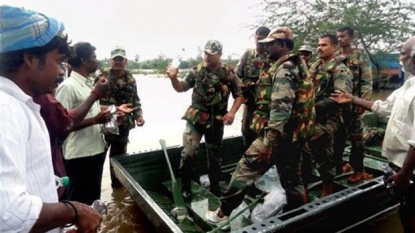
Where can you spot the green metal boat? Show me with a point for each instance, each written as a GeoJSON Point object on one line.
{"type": "Point", "coordinates": [147, 178]}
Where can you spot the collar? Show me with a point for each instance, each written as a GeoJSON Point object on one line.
{"type": "Point", "coordinates": [12, 89]}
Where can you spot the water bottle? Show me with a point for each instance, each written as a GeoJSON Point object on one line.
{"type": "Point", "coordinates": [175, 63]}
{"type": "Point", "coordinates": [61, 181]}
{"type": "Point", "coordinates": [100, 206]}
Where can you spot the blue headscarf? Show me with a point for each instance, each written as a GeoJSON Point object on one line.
{"type": "Point", "coordinates": [21, 29]}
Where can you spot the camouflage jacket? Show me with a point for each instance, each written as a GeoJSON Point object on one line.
{"type": "Point", "coordinates": [291, 118]}
{"type": "Point", "coordinates": [211, 92]}
{"type": "Point", "coordinates": [360, 66]}
{"type": "Point", "coordinates": [327, 79]}
{"type": "Point", "coordinates": [248, 67]}
{"type": "Point", "coordinates": [123, 90]}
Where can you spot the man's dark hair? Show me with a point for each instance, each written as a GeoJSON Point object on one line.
{"type": "Point", "coordinates": [332, 38]}
{"type": "Point", "coordinates": [262, 31]}
{"type": "Point", "coordinates": [349, 30]}
{"type": "Point", "coordinates": [10, 62]}
{"type": "Point", "coordinates": [79, 51]}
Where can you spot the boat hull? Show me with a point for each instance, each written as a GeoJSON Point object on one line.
{"type": "Point", "coordinates": [145, 176]}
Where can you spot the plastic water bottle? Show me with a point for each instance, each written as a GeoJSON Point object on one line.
{"type": "Point", "coordinates": [175, 63]}
{"type": "Point", "coordinates": [100, 206]}
{"type": "Point", "coordinates": [61, 181]}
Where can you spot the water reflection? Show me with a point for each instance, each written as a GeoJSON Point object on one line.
{"type": "Point", "coordinates": [124, 215]}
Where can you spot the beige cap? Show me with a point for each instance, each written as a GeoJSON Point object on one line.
{"type": "Point", "coordinates": [278, 33]}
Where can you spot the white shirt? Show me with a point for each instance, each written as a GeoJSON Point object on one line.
{"type": "Point", "coordinates": [400, 131]}
{"type": "Point", "coordinates": [26, 172]}
{"type": "Point", "coordinates": [88, 141]}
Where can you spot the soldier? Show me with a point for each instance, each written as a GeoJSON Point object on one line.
{"type": "Point", "coordinates": [328, 74]}
{"type": "Point", "coordinates": [290, 107]}
{"type": "Point", "coordinates": [122, 90]}
{"type": "Point", "coordinates": [306, 53]}
{"type": "Point", "coordinates": [248, 70]}
{"type": "Point", "coordinates": [359, 64]}
{"type": "Point", "coordinates": [212, 82]}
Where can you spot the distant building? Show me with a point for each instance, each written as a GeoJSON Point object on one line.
{"type": "Point", "coordinates": [391, 75]}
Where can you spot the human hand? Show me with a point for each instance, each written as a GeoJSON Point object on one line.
{"type": "Point", "coordinates": [399, 181]}
{"type": "Point", "coordinates": [140, 121]}
{"type": "Point", "coordinates": [103, 117]}
{"type": "Point", "coordinates": [126, 108]}
{"type": "Point", "coordinates": [341, 97]}
{"type": "Point", "coordinates": [101, 87]}
{"type": "Point", "coordinates": [89, 219]}
{"type": "Point", "coordinates": [228, 118]}
{"type": "Point", "coordinates": [172, 71]}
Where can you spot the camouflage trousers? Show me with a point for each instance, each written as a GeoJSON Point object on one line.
{"type": "Point", "coordinates": [191, 140]}
{"type": "Point", "coordinates": [320, 149]}
{"type": "Point", "coordinates": [250, 168]}
{"type": "Point", "coordinates": [248, 134]}
{"type": "Point", "coordinates": [353, 130]}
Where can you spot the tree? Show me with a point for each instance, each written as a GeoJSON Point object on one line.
{"type": "Point", "coordinates": [381, 26]}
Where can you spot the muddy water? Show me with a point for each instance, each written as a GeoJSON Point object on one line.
{"type": "Point", "coordinates": [163, 108]}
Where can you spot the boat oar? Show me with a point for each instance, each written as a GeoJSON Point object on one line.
{"type": "Point", "coordinates": [180, 210]}
{"type": "Point", "coordinates": [254, 202]}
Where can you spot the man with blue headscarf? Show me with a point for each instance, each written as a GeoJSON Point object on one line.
{"type": "Point", "coordinates": [32, 49]}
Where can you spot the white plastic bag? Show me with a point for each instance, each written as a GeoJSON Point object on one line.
{"type": "Point", "coordinates": [238, 223]}
{"type": "Point", "coordinates": [274, 201]}
{"type": "Point", "coordinates": [111, 127]}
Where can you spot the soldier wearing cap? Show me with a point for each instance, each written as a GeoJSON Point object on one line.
{"type": "Point", "coordinates": [33, 47]}
{"type": "Point", "coordinates": [248, 69]}
{"type": "Point", "coordinates": [290, 107]}
{"type": "Point", "coordinates": [329, 74]}
{"type": "Point", "coordinates": [122, 90]}
{"type": "Point", "coordinates": [212, 82]}
{"type": "Point", "coordinates": [306, 53]}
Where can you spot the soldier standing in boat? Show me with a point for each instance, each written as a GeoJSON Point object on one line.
{"type": "Point", "coordinates": [359, 64]}
{"type": "Point", "coordinates": [248, 69]}
{"type": "Point", "coordinates": [288, 103]}
{"type": "Point", "coordinates": [212, 82]}
{"type": "Point", "coordinates": [329, 74]}
{"type": "Point", "coordinates": [122, 90]}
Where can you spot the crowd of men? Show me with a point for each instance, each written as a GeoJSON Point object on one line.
{"type": "Point", "coordinates": [296, 112]}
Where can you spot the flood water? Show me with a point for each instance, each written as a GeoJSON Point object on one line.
{"type": "Point", "coordinates": [162, 109]}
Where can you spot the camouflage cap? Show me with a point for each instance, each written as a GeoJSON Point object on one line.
{"type": "Point", "coordinates": [306, 48]}
{"type": "Point", "coordinates": [213, 47]}
{"type": "Point", "coordinates": [279, 33]}
{"type": "Point", "coordinates": [118, 51]}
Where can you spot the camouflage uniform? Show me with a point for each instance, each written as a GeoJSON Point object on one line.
{"type": "Point", "coordinates": [286, 97]}
{"type": "Point", "coordinates": [329, 115]}
{"type": "Point", "coordinates": [359, 64]}
{"type": "Point", "coordinates": [122, 90]}
{"type": "Point", "coordinates": [248, 70]}
{"type": "Point", "coordinates": [210, 96]}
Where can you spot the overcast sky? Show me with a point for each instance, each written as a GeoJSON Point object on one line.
{"type": "Point", "coordinates": [152, 27]}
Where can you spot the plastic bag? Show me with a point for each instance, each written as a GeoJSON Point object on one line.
{"type": "Point", "coordinates": [204, 180]}
{"type": "Point", "coordinates": [274, 201]}
{"type": "Point", "coordinates": [111, 127]}
{"type": "Point", "coordinates": [238, 222]}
